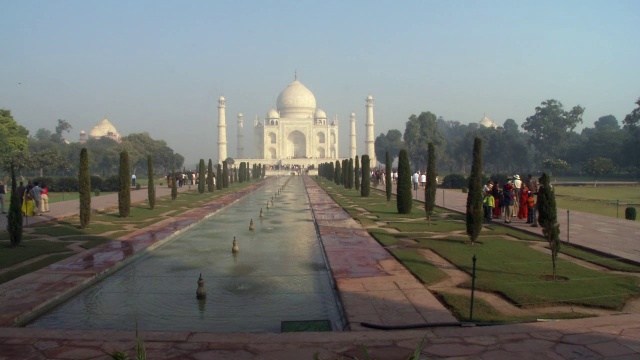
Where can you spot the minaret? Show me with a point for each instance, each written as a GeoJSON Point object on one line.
{"type": "Point", "coordinates": [222, 130]}
{"type": "Point", "coordinates": [370, 137]}
{"type": "Point", "coordinates": [240, 145]}
{"type": "Point", "coordinates": [353, 150]}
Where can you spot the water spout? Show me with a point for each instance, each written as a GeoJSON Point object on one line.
{"type": "Point", "coordinates": [201, 293]}
{"type": "Point", "coordinates": [235, 248]}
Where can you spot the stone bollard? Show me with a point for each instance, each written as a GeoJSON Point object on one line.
{"type": "Point", "coordinates": [235, 248]}
{"type": "Point", "coordinates": [261, 214]}
{"type": "Point", "coordinates": [201, 293]}
{"type": "Point", "coordinates": [251, 225]}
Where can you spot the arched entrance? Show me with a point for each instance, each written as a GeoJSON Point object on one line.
{"type": "Point", "coordinates": [296, 145]}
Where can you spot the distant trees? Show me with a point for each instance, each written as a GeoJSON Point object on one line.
{"type": "Point", "coordinates": [124, 194]}
{"type": "Point", "coordinates": [474, 196]}
{"type": "Point", "coordinates": [84, 182]}
{"type": "Point", "coordinates": [598, 166]}
{"type": "Point", "coordinates": [365, 186]}
{"type": "Point", "coordinates": [391, 142]}
{"type": "Point", "coordinates": [430, 189]}
{"type": "Point", "coordinates": [404, 197]}
{"type": "Point", "coordinates": [421, 130]}
{"type": "Point", "coordinates": [550, 126]}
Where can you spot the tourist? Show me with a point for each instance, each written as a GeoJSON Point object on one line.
{"type": "Point", "coordinates": [133, 180]}
{"type": "Point", "coordinates": [497, 201]}
{"type": "Point", "coordinates": [523, 210]}
{"type": "Point", "coordinates": [488, 204]}
{"type": "Point", "coordinates": [508, 194]}
{"type": "Point", "coordinates": [45, 199]}
{"type": "Point", "coordinates": [531, 205]}
{"type": "Point", "coordinates": [423, 180]}
{"type": "Point", "coordinates": [36, 192]}
{"type": "Point", "coordinates": [416, 180]}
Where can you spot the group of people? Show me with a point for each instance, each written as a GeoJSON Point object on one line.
{"type": "Point", "coordinates": [514, 199]}
{"type": "Point", "coordinates": [34, 198]}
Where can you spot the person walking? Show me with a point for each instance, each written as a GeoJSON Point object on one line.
{"type": "Point", "coordinates": [133, 180]}
{"type": "Point", "coordinates": [2, 192]}
{"type": "Point", "coordinates": [36, 192]}
{"type": "Point", "coordinates": [44, 199]}
{"type": "Point", "coordinates": [416, 180]}
{"type": "Point", "coordinates": [508, 194]}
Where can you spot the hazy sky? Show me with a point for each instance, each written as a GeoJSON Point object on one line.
{"type": "Point", "coordinates": [160, 66]}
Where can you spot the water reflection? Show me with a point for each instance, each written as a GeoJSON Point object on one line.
{"type": "Point", "coordinates": [279, 274]}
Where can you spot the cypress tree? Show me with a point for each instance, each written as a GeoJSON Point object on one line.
{"type": "Point", "coordinates": [124, 195]}
{"type": "Point", "coordinates": [210, 176]}
{"type": "Point", "coordinates": [225, 174]}
{"type": "Point", "coordinates": [345, 173]}
{"type": "Point", "coordinates": [84, 184]}
{"type": "Point", "coordinates": [356, 171]}
{"type": "Point", "coordinates": [14, 221]}
{"type": "Point", "coordinates": [219, 177]}
{"type": "Point", "coordinates": [201, 177]}
{"type": "Point", "coordinates": [151, 188]}
{"type": "Point", "coordinates": [242, 171]}
{"type": "Point", "coordinates": [365, 187]}
{"type": "Point", "coordinates": [548, 218]}
{"type": "Point", "coordinates": [174, 184]}
{"type": "Point", "coordinates": [474, 196]}
{"type": "Point", "coordinates": [338, 174]}
{"type": "Point", "coordinates": [430, 189]}
{"type": "Point", "coordinates": [351, 173]}
{"type": "Point", "coordinates": [404, 197]}
{"type": "Point", "coordinates": [387, 175]}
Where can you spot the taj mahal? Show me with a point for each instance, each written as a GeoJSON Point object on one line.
{"type": "Point", "coordinates": [296, 132]}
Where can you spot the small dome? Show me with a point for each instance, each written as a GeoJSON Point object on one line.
{"type": "Point", "coordinates": [240, 115]}
{"type": "Point", "coordinates": [353, 114]}
{"type": "Point", "coordinates": [82, 132]}
{"type": "Point", "coordinates": [369, 97]}
{"type": "Point", "coordinates": [486, 122]}
{"type": "Point", "coordinates": [273, 114]}
{"type": "Point", "coordinates": [105, 128]}
{"type": "Point", "coordinates": [296, 101]}
{"type": "Point", "coordinates": [320, 114]}
{"type": "Point", "coordinates": [221, 98]}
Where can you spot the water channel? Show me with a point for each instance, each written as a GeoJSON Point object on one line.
{"type": "Point", "coordinates": [279, 274]}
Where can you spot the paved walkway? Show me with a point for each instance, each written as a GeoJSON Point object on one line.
{"type": "Point", "coordinates": [371, 285]}
{"type": "Point", "coordinates": [617, 237]}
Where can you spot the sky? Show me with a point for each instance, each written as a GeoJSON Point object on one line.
{"type": "Point", "coordinates": [160, 66]}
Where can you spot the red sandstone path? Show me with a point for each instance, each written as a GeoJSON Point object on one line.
{"type": "Point", "coordinates": [372, 287]}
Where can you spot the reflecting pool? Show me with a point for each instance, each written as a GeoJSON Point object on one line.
{"type": "Point", "coordinates": [279, 274]}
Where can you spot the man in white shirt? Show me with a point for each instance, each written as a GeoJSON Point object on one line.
{"type": "Point", "coordinates": [416, 180]}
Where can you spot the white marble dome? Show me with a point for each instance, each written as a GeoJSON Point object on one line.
{"type": "Point", "coordinates": [273, 114]}
{"type": "Point", "coordinates": [320, 114]}
{"type": "Point", "coordinates": [104, 128]}
{"type": "Point", "coordinates": [296, 101]}
{"type": "Point", "coordinates": [486, 122]}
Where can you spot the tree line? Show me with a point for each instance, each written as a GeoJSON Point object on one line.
{"type": "Point", "coordinates": [48, 153]}
{"type": "Point", "coordinates": [545, 141]}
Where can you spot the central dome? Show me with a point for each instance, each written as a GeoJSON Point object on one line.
{"type": "Point", "coordinates": [296, 101]}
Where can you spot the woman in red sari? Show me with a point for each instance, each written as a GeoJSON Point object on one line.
{"type": "Point", "coordinates": [523, 211]}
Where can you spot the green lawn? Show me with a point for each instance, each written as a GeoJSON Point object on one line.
{"type": "Point", "coordinates": [506, 264]}
{"type": "Point", "coordinates": [600, 200]}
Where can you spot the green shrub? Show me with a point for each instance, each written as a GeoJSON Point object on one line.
{"type": "Point", "coordinates": [96, 192]}
{"type": "Point", "coordinates": [365, 186]}
{"type": "Point", "coordinates": [96, 181]}
{"type": "Point", "coordinates": [112, 183]}
{"type": "Point", "coordinates": [66, 184]}
{"type": "Point", "coordinates": [124, 193]}
{"type": "Point", "coordinates": [630, 213]}
{"type": "Point", "coordinates": [465, 190]}
{"type": "Point", "coordinates": [138, 186]}
{"type": "Point", "coordinates": [454, 181]}
{"type": "Point", "coordinates": [84, 181]}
